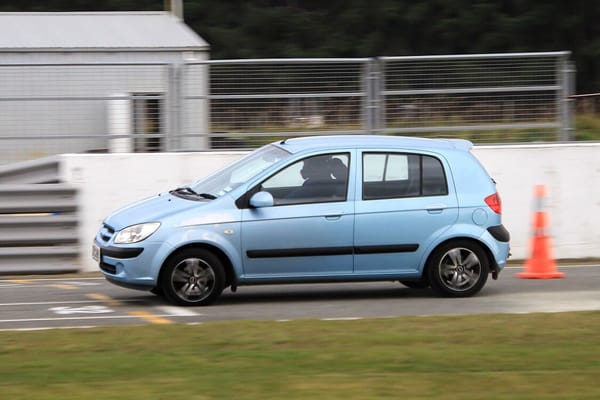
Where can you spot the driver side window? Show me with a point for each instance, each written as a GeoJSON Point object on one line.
{"type": "Point", "coordinates": [316, 179]}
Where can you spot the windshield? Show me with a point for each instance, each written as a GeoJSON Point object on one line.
{"type": "Point", "coordinates": [232, 176]}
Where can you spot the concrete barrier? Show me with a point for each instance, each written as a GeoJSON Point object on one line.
{"type": "Point", "coordinates": [571, 173]}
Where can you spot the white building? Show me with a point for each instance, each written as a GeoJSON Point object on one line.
{"type": "Point", "coordinates": [95, 82]}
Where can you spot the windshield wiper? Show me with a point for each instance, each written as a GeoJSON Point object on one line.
{"type": "Point", "coordinates": [188, 190]}
{"type": "Point", "coordinates": [185, 190]}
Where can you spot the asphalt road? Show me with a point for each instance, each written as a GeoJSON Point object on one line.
{"type": "Point", "coordinates": [30, 303]}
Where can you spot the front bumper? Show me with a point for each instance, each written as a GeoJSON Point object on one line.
{"type": "Point", "coordinates": [131, 267]}
{"type": "Point", "coordinates": [121, 252]}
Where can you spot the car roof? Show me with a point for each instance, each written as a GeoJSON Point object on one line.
{"type": "Point", "coordinates": [296, 145]}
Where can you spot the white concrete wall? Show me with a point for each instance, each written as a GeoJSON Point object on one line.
{"type": "Point", "coordinates": [107, 182]}
{"type": "Point", "coordinates": [571, 173]}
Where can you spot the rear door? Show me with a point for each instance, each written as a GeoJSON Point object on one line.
{"type": "Point", "coordinates": [403, 202]}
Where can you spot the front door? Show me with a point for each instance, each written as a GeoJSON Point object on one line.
{"type": "Point", "coordinates": [308, 232]}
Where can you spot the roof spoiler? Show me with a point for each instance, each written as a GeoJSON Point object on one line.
{"type": "Point", "coordinates": [461, 144]}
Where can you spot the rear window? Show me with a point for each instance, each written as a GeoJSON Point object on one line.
{"type": "Point", "coordinates": [397, 175]}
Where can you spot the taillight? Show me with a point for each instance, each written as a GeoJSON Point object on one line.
{"type": "Point", "coordinates": [493, 201]}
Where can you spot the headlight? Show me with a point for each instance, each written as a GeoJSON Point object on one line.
{"type": "Point", "coordinates": [136, 233]}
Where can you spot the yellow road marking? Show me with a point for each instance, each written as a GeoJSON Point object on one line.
{"type": "Point", "coordinates": [21, 281]}
{"type": "Point", "coordinates": [66, 287]}
{"type": "Point", "coordinates": [151, 317]}
{"type": "Point", "coordinates": [109, 301]}
{"type": "Point", "coordinates": [104, 298]}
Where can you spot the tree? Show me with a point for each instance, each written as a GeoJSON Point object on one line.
{"type": "Point", "coordinates": [363, 28]}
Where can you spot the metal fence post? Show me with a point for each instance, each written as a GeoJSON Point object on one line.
{"type": "Point", "coordinates": [366, 100]}
{"type": "Point", "coordinates": [172, 134]}
{"type": "Point", "coordinates": [570, 101]}
{"type": "Point", "coordinates": [379, 81]}
{"type": "Point", "coordinates": [372, 100]}
{"type": "Point", "coordinates": [566, 78]}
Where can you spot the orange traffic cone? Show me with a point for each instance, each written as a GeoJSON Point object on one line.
{"type": "Point", "coordinates": [541, 264]}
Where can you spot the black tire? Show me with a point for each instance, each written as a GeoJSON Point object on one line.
{"type": "Point", "coordinates": [193, 277]}
{"type": "Point", "coordinates": [458, 268]}
{"type": "Point", "coordinates": [157, 290]}
{"type": "Point", "coordinates": [417, 284]}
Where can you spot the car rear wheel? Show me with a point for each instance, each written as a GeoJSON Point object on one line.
{"type": "Point", "coordinates": [458, 269]}
{"type": "Point", "coordinates": [193, 277]}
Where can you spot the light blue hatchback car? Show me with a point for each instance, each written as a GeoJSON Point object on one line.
{"type": "Point", "coordinates": [423, 212]}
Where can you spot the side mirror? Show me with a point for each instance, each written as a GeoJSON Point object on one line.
{"type": "Point", "coordinates": [262, 199]}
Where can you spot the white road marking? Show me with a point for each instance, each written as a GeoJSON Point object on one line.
{"type": "Point", "coordinates": [38, 303]}
{"type": "Point", "coordinates": [81, 310]}
{"type": "Point", "coordinates": [77, 283]}
{"type": "Point", "coordinates": [78, 318]}
{"type": "Point", "coordinates": [39, 285]}
{"type": "Point", "coordinates": [559, 266]}
{"type": "Point", "coordinates": [68, 318]}
{"type": "Point", "coordinates": [342, 319]}
{"type": "Point", "coordinates": [542, 302]}
{"type": "Point", "coordinates": [57, 279]}
{"type": "Point", "coordinates": [178, 311]}
{"type": "Point", "coordinates": [47, 328]}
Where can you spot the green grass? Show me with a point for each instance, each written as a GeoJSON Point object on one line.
{"type": "Point", "coordinates": [541, 356]}
{"type": "Point", "coordinates": [587, 127]}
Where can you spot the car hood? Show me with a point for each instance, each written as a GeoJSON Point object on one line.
{"type": "Point", "coordinates": [153, 209]}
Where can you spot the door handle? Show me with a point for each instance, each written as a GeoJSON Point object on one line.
{"type": "Point", "coordinates": [436, 208]}
{"type": "Point", "coordinates": [333, 215]}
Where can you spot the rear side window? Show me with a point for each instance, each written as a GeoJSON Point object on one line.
{"type": "Point", "coordinates": [434, 178]}
{"type": "Point", "coordinates": [396, 175]}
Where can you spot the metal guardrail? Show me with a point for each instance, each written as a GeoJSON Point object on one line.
{"type": "Point", "coordinates": [44, 170]}
{"type": "Point", "coordinates": [38, 228]}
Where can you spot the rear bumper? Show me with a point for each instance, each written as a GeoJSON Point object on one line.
{"type": "Point", "coordinates": [500, 233]}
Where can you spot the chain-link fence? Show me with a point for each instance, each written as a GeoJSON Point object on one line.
{"type": "Point", "coordinates": [485, 98]}
{"type": "Point", "coordinates": [258, 101]}
{"type": "Point", "coordinates": [48, 109]}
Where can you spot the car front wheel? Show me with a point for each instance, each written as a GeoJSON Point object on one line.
{"type": "Point", "coordinates": [193, 277]}
{"type": "Point", "coordinates": [458, 269]}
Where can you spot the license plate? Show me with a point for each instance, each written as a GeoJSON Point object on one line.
{"type": "Point", "coordinates": [96, 252]}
